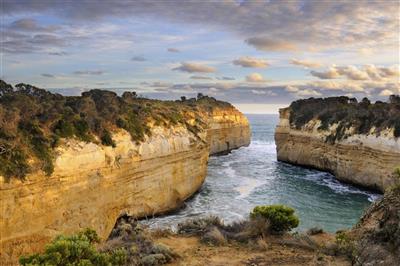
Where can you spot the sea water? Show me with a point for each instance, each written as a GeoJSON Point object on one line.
{"type": "Point", "coordinates": [252, 176]}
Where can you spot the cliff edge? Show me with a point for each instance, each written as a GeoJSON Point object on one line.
{"type": "Point", "coordinates": [357, 142]}
{"type": "Point", "coordinates": [69, 163]}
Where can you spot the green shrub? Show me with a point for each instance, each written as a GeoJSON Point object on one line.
{"type": "Point", "coordinates": [76, 250]}
{"type": "Point", "coordinates": [107, 140]}
{"type": "Point", "coordinates": [281, 217]}
{"type": "Point", "coordinates": [13, 162]}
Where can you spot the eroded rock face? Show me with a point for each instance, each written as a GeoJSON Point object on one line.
{"type": "Point", "coordinates": [378, 232]}
{"type": "Point", "coordinates": [93, 185]}
{"type": "Point", "coordinates": [364, 160]}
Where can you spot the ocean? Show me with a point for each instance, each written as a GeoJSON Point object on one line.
{"type": "Point", "coordinates": [252, 176]}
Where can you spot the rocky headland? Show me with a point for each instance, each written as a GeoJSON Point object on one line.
{"type": "Point", "coordinates": [358, 142]}
{"type": "Point", "coordinates": [68, 163]}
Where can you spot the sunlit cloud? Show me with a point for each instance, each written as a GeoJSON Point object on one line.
{"type": "Point", "coordinates": [255, 77]}
{"type": "Point", "coordinates": [305, 63]}
{"type": "Point", "coordinates": [195, 68]}
{"type": "Point", "coordinates": [247, 61]}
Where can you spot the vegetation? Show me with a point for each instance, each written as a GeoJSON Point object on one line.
{"type": "Point", "coordinates": [281, 217]}
{"type": "Point", "coordinates": [76, 250]}
{"type": "Point", "coordinates": [264, 221]}
{"type": "Point", "coordinates": [347, 113]}
{"type": "Point", "coordinates": [345, 245]}
{"type": "Point", "coordinates": [33, 121]}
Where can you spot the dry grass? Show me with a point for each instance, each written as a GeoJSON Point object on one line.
{"type": "Point", "coordinates": [214, 237]}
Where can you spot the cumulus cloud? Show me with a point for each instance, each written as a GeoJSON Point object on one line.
{"type": "Point", "coordinates": [346, 86]}
{"type": "Point", "coordinates": [291, 88]}
{"type": "Point", "coordinates": [247, 61]}
{"type": "Point", "coordinates": [368, 72]}
{"type": "Point", "coordinates": [138, 59]}
{"type": "Point", "coordinates": [267, 44]}
{"type": "Point", "coordinates": [305, 63]}
{"type": "Point", "coordinates": [329, 74]}
{"type": "Point", "coordinates": [386, 93]}
{"type": "Point", "coordinates": [263, 92]}
{"type": "Point", "coordinates": [308, 93]}
{"type": "Point", "coordinates": [200, 77]}
{"type": "Point", "coordinates": [89, 72]}
{"type": "Point", "coordinates": [173, 50]}
{"type": "Point", "coordinates": [255, 77]}
{"type": "Point", "coordinates": [195, 67]}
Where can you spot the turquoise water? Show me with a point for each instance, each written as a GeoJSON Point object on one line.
{"type": "Point", "coordinates": [252, 176]}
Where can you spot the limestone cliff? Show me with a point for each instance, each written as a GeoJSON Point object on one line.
{"type": "Point", "coordinates": [365, 159]}
{"type": "Point", "coordinates": [93, 184]}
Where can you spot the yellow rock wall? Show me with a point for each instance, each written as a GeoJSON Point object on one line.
{"type": "Point", "coordinates": [93, 185]}
{"type": "Point", "coordinates": [364, 160]}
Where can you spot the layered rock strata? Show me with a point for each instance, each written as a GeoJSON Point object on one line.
{"type": "Point", "coordinates": [367, 160]}
{"type": "Point", "coordinates": [92, 185]}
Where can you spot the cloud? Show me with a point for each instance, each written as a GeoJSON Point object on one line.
{"type": "Point", "coordinates": [160, 84]}
{"type": "Point", "coordinates": [329, 74]}
{"type": "Point", "coordinates": [47, 75]}
{"type": "Point", "coordinates": [173, 50]}
{"type": "Point", "coordinates": [266, 25]}
{"type": "Point", "coordinates": [308, 93]}
{"type": "Point", "coordinates": [291, 88]}
{"type": "Point", "coordinates": [368, 72]}
{"type": "Point", "coordinates": [263, 92]}
{"type": "Point", "coordinates": [138, 59]}
{"type": "Point", "coordinates": [386, 93]}
{"type": "Point", "coordinates": [346, 86]}
{"type": "Point", "coordinates": [62, 53]}
{"type": "Point", "coordinates": [255, 77]}
{"type": "Point", "coordinates": [305, 63]}
{"type": "Point", "coordinates": [30, 25]}
{"type": "Point", "coordinates": [226, 78]}
{"type": "Point", "coordinates": [267, 44]}
{"type": "Point", "coordinates": [247, 61]}
{"type": "Point", "coordinates": [195, 68]}
{"type": "Point", "coordinates": [89, 72]}
{"type": "Point", "coordinates": [200, 77]}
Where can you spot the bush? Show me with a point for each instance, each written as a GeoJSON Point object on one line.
{"type": "Point", "coordinates": [281, 217]}
{"type": "Point", "coordinates": [107, 140]}
{"type": "Point", "coordinates": [76, 249]}
{"type": "Point", "coordinates": [345, 245]}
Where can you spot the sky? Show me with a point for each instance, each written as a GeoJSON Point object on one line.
{"type": "Point", "coordinates": [258, 55]}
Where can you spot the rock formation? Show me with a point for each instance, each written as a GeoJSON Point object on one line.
{"type": "Point", "coordinates": [357, 142]}
{"type": "Point", "coordinates": [93, 184]}
{"type": "Point", "coordinates": [378, 232]}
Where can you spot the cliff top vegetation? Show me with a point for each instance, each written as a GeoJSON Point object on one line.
{"type": "Point", "coordinates": [347, 113]}
{"type": "Point", "coordinates": [34, 120]}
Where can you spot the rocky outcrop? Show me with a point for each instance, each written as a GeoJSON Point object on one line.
{"type": "Point", "coordinates": [227, 131]}
{"type": "Point", "coordinates": [378, 232]}
{"type": "Point", "coordinates": [366, 160]}
{"type": "Point", "coordinates": [92, 185]}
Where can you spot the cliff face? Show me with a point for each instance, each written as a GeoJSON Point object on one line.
{"type": "Point", "coordinates": [378, 233]}
{"type": "Point", "coordinates": [228, 130]}
{"type": "Point", "coordinates": [367, 160]}
{"type": "Point", "coordinates": [92, 185]}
